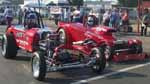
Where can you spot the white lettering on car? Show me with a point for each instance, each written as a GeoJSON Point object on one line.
{"type": "Point", "coordinates": [21, 42]}
{"type": "Point", "coordinates": [19, 34]}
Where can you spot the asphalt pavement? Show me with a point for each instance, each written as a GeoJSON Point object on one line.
{"type": "Point", "coordinates": [18, 71]}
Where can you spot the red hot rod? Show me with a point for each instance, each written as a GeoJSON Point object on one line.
{"type": "Point", "coordinates": [116, 49]}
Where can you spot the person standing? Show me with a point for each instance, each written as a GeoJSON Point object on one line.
{"type": "Point", "coordinates": [106, 18]}
{"type": "Point", "coordinates": [113, 18]}
{"type": "Point", "coordinates": [8, 13]}
{"type": "Point", "coordinates": [145, 22]}
{"type": "Point", "coordinates": [76, 16]}
{"type": "Point", "coordinates": [125, 20]}
{"type": "Point", "coordinates": [20, 15]}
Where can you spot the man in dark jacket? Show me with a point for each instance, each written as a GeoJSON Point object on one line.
{"type": "Point", "coordinates": [146, 22]}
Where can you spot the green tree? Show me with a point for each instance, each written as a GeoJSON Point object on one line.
{"type": "Point", "coordinates": [76, 2]}
{"type": "Point", "coordinates": [128, 3]}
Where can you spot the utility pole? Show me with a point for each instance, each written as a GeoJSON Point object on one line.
{"type": "Point", "coordinates": [39, 2]}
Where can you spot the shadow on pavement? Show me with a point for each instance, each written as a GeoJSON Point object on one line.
{"type": "Point", "coordinates": [72, 75]}
{"type": "Point", "coordinates": [22, 58]}
{"type": "Point", "coordinates": [132, 62]}
{"type": "Point", "coordinates": [126, 75]}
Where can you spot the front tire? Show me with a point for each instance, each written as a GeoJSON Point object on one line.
{"type": "Point", "coordinates": [62, 36]}
{"type": "Point", "coordinates": [9, 46]}
{"type": "Point", "coordinates": [38, 64]}
{"type": "Point", "coordinates": [100, 62]}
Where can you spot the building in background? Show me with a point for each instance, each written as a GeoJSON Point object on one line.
{"type": "Point", "coordinates": [103, 4]}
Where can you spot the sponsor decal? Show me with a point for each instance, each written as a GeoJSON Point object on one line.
{"type": "Point", "coordinates": [19, 34]}
{"type": "Point", "coordinates": [21, 42]}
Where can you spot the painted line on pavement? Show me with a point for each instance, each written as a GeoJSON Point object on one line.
{"type": "Point", "coordinates": [110, 74]}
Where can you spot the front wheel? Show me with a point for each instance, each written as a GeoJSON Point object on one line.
{"type": "Point", "coordinates": [38, 66]}
{"type": "Point", "coordinates": [100, 62]}
{"type": "Point", "coordinates": [62, 36]}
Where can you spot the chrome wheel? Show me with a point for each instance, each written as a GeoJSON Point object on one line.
{"type": "Point", "coordinates": [96, 54]}
{"type": "Point", "coordinates": [107, 52]}
{"type": "Point", "coordinates": [38, 65]}
{"type": "Point", "coordinates": [100, 61]}
{"type": "Point", "coordinates": [62, 36]}
{"type": "Point", "coordinates": [35, 65]}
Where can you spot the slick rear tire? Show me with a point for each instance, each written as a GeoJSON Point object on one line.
{"type": "Point", "coordinates": [62, 36]}
{"type": "Point", "coordinates": [38, 64]}
{"type": "Point", "coordinates": [9, 46]}
{"type": "Point", "coordinates": [100, 62]}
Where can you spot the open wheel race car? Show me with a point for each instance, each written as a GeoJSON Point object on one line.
{"type": "Point", "coordinates": [116, 50]}
{"type": "Point", "coordinates": [49, 49]}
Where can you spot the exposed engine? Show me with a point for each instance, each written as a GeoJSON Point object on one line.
{"type": "Point", "coordinates": [48, 43]}
{"type": "Point", "coordinates": [123, 45]}
{"type": "Point", "coordinates": [120, 44]}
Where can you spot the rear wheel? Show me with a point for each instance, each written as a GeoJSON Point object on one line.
{"type": "Point", "coordinates": [9, 46]}
{"type": "Point", "coordinates": [38, 66]}
{"type": "Point", "coordinates": [100, 62]}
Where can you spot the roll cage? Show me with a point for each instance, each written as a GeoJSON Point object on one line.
{"type": "Point", "coordinates": [39, 19]}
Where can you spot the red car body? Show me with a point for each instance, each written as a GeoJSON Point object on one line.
{"type": "Point", "coordinates": [77, 32]}
{"type": "Point", "coordinates": [27, 38]}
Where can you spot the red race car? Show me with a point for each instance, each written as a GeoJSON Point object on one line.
{"type": "Point", "coordinates": [24, 36]}
{"type": "Point", "coordinates": [50, 51]}
{"type": "Point", "coordinates": [116, 50]}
